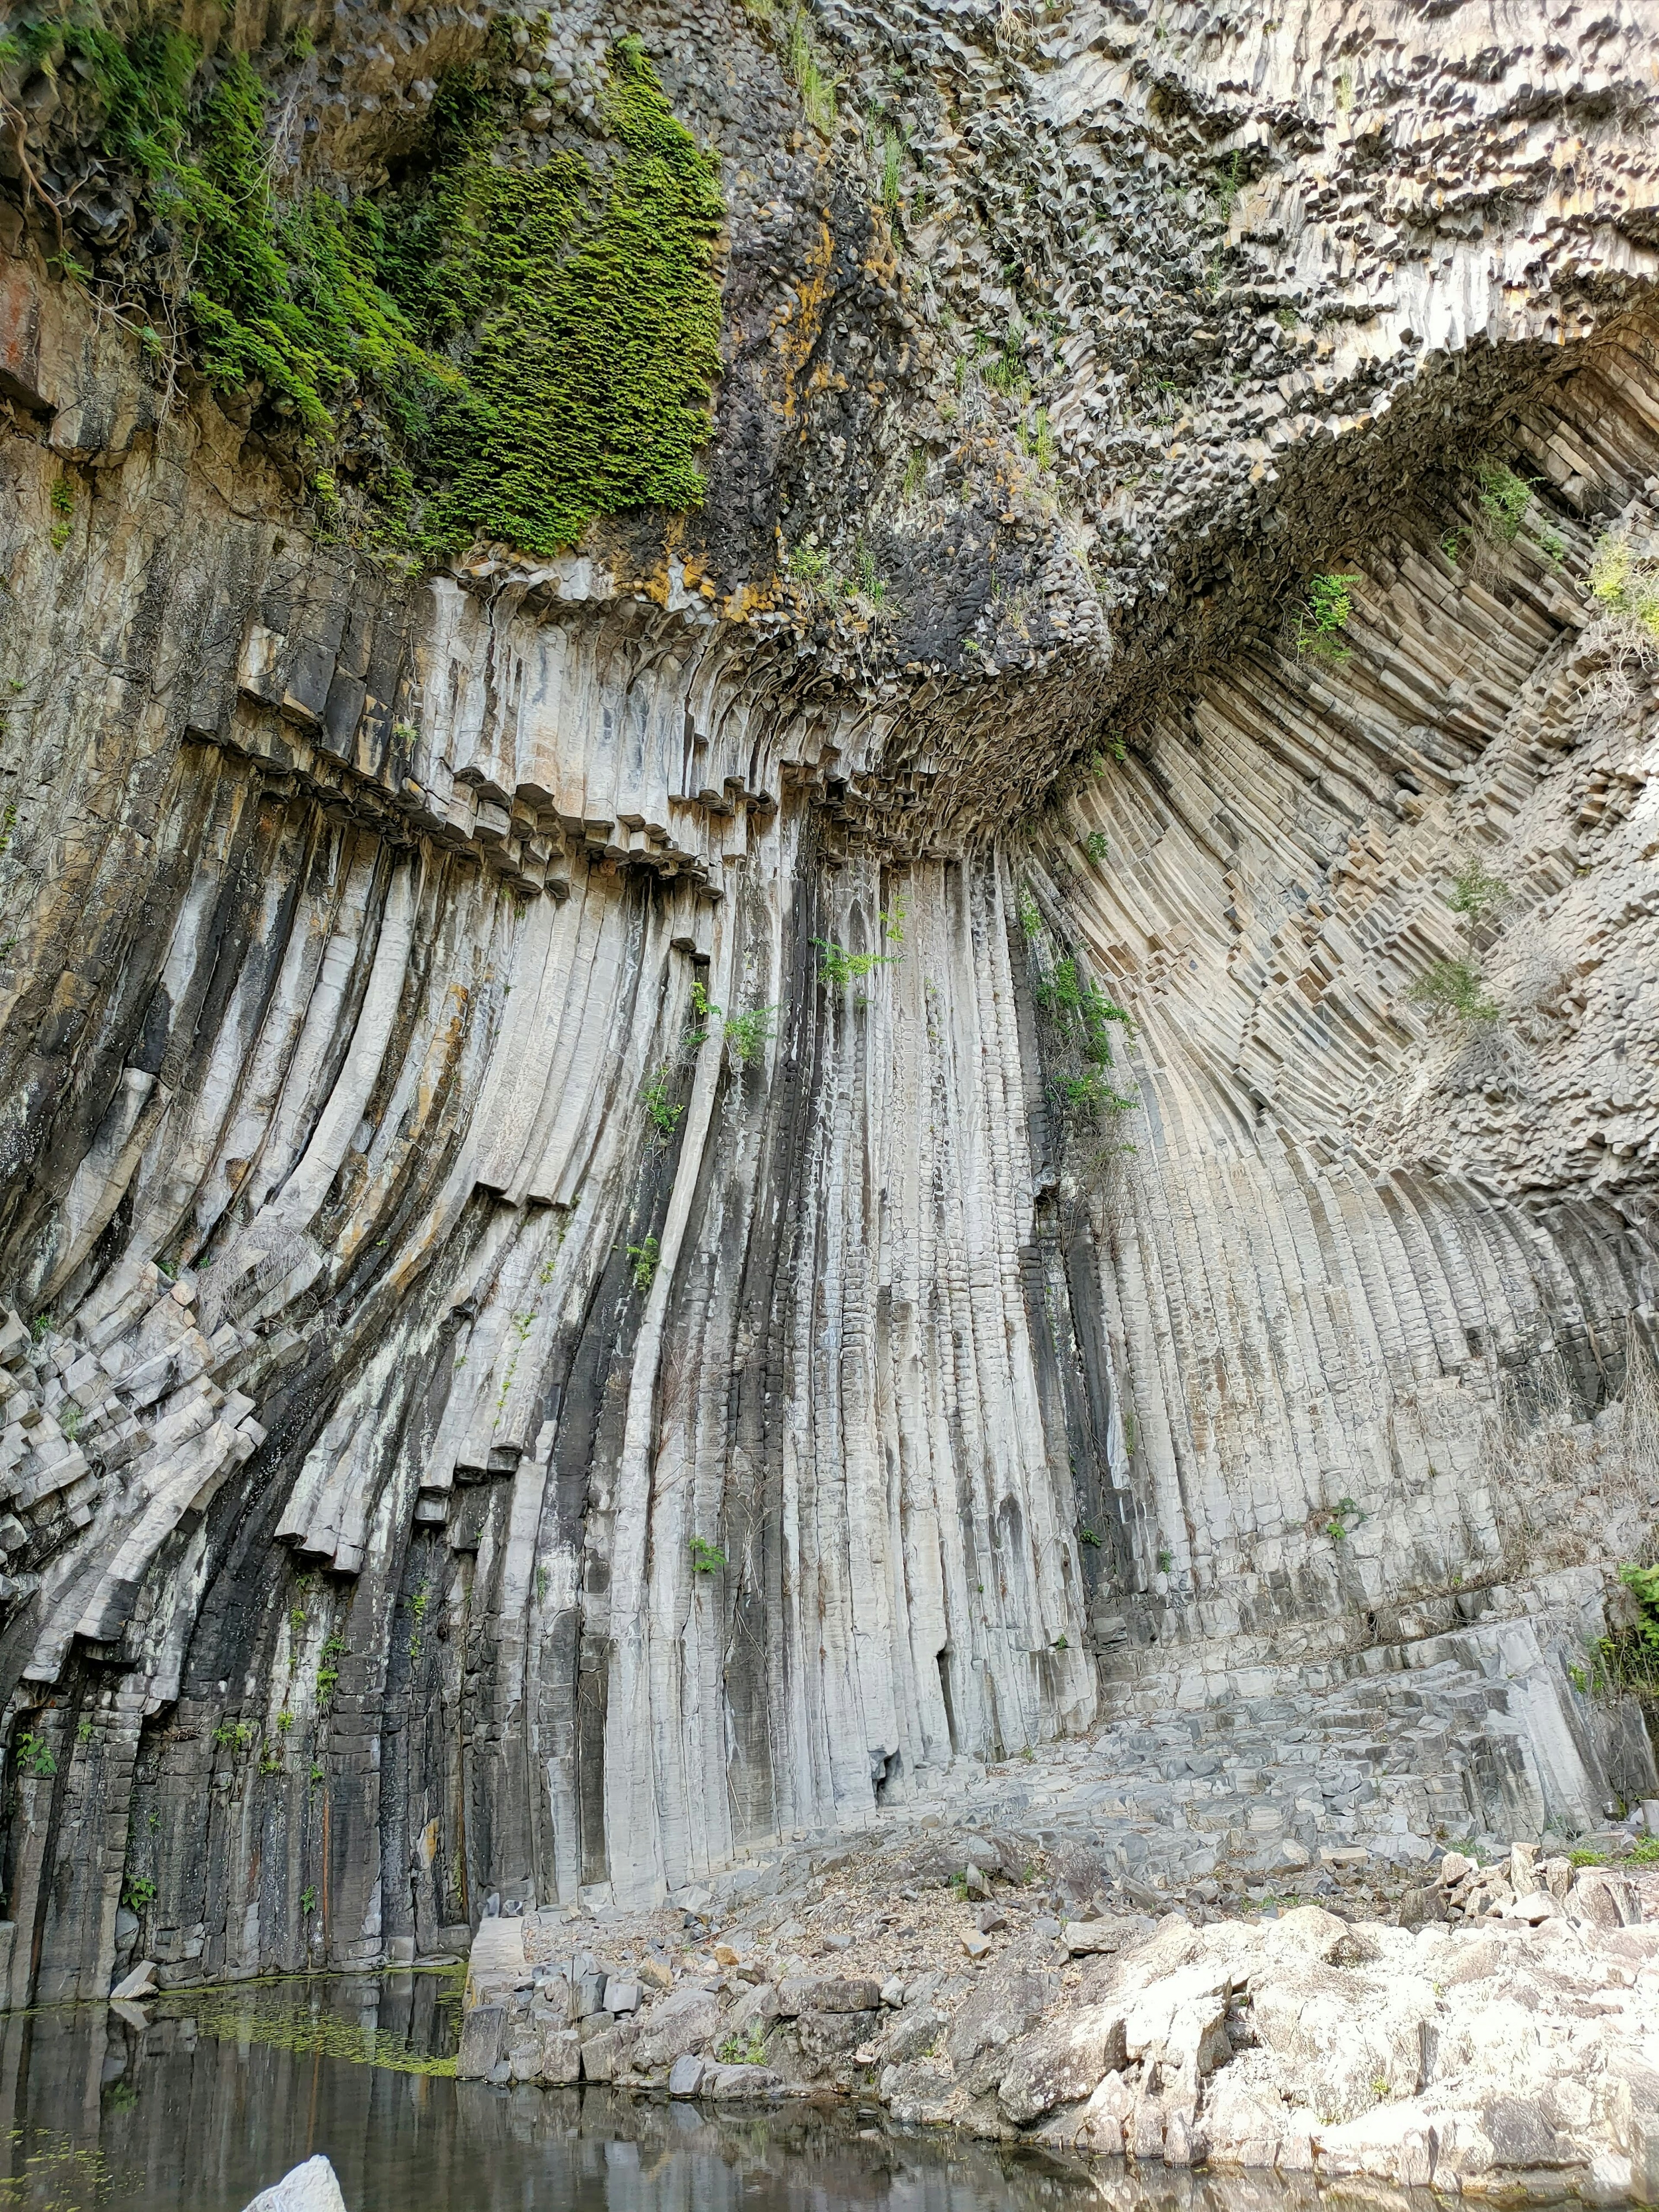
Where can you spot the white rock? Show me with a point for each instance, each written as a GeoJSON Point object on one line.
{"type": "Point", "coordinates": [311, 2187]}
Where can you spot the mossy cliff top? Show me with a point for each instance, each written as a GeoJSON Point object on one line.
{"type": "Point", "coordinates": [473, 350]}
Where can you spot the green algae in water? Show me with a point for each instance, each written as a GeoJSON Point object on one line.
{"type": "Point", "coordinates": [53, 2172]}
{"type": "Point", "coordinates": [292, 2016]}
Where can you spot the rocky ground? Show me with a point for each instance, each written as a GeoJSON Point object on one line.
{"type": "Point", "coordinates": [1485, 2021]}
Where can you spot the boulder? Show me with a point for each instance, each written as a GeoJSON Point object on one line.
{"type": "Point", "coordinates": [482, 2032]}
{"type": "Point", "coordinates": [922, 2096]}
{"type": "Point", "coordinates": [826, 2035]}
{"type": "Point", "coordinates": [912, 2035]}
{"type": "Point", "coordinates": [140, 1982]}
{"type": "Point", "coordinates": [678, 2025]}
{"type": "Point", "coordinates": [732, 2084]}
{"type": "Point", "coordinates": [561, 2055]}
{"type": "Point", "coordinates": [311, 2187]}
{"type": "Point", "coordinates": [1062, 2061]}
{"type": "Point", "coordinates": [1397, 2142]}
{"type": "Point", "coordinates": [1100, 2126]}
{"type": "Point", "coordinates": [685, 2076]}
{"type": "Point", "coordinates": [496, 1961]}
{"type": "Point", "coordinates": [1181, 2021]}
{"type": "Point", "coordinates": [1109, 1933]}
{"type": "Point", "coordinates": [1604, 1900]}
{"type": "Point", "coordinates": [1011, 1999]}
{"type": "Point", "coordinates": [1337, 2033]}
{"type": "Point", "coordinates": [822, 1993]}
{"type": "Point", "coordinates": [1243, 2118]}
{"type": "Point", "coordinates": [1421, 1905]}
{"type": "Point", "coordinates": [599, 2055]}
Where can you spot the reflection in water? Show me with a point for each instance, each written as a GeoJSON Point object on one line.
{"type": "Point", "coordinates": [223, 2091]}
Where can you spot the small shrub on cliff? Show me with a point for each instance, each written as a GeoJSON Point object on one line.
{"type": "Point", "coordinates": [660, 1110]}
{"type": "Point", "coordinates": [1456, 988]}
{"type": "Point", "coordinates": [838, 967]}
{"type": "Point", "coordinates": [1324, 617]}
{"type": "Point", "coordinates": [1626, 585]}
{"type": "Point", "coordinates": [707, 1558]}
{"type": "Point", "coordinates": [63, 507]}
{"type": "Point", "coordinates": [1504, 499]}
{"type": "Point", "coordinates": [745, 1034]}
{"type": "Point", "coordinates": [643, 1258]}
{"type": "Point", "coordinates": [1477, 893]}
{"type": "Point", "coordinates": [34, 1756]}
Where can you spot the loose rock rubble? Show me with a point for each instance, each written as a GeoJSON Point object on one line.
{"type": "Point", "coordinates": [1493, 2034]}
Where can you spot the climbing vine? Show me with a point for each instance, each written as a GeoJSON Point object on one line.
{"type": "Point", "coordinates": [481, 351]}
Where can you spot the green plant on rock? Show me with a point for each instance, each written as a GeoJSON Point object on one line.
{"type": "Point", "coordinates": [1324, 617]}
{"type": "Point", "coordinates": [838, 967]}
{"type": "Point", "coordinates": [808, 564]}
{"type": "Point", "coordinates": [872, 584]}
{"type": "Point", "coordinates": [138, 1893]}
{"type": "Point", "coordinates": [235, 1736]}
{"type": "Point", "coordinates": [309, 1900]}
{"type": "Point", "coordinates": [707, 1558]}
{"type": "Point", "coordinates": [747, 1035]}
{"type": "Point", "coordinates": [1643, 1583]}
{"type": "Point", "coordinates": [815, 81]}
{"type": "Point", "coordinates": [1097, 847]}
{"type": "Point", "coordinates": [1229, 185]}
{"type": "Point", "coordinates": [1503, 500]}
{"type": "Point", "coordinates": [34, 1756]}
{"type": "Point", "coordinates": [335, 1648]}
{"type": "Point", "coordinates": [892, 170]}
{"type": "Point", "coordinates": [1477, 893]}
{"type": "Point", "coordinates": [1083, 1014]}
{"type": "Point", "coordinates": [1646, 1852]}
{"type": "Point", "coordinates": [63, 508]}
{"type": "Point", "coordinates": [1090, 1092]}
{"type": "Point", "coordinates": [1457, 989]}
{"type": "Point", "coordinates": [1626, 584]}
{"type": "Point", "coordinates": [744, 2051]}
{"type": "Point", "coordinates": [662, 1113]}
{"type": "Point", "coordinates": [643, 1258]}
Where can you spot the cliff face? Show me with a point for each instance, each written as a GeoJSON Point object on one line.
{"type": "Point", "coordinates": [654, 1190]}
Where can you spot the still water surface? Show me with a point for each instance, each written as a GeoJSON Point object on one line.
{"type": "Point", "coordinates": [221, 2093]}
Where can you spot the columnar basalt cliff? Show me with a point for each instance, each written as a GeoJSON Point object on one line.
{"type": "Point", "coordinates": [670, 1173]}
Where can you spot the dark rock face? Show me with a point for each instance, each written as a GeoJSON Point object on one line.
{"type": "Point", "coordinates": [598, 1274]}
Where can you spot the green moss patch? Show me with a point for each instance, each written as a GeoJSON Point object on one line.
{"type": "Point", "coordinates": [480, 352]}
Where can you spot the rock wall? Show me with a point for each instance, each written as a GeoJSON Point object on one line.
{"type": "Point", "coordinates": [577, 1307]}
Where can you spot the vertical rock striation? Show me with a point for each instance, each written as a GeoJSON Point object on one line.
{"type": "Point", "coordinates": [654, 1192]}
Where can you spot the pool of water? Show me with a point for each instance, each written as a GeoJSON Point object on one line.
{"type": "Point", "coordinates": [220, 2093]}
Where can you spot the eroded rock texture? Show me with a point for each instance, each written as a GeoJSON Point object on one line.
{"type": "Point", "coordinates": [479, 1422]}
